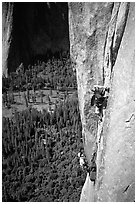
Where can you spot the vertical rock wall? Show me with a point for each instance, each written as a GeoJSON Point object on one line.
{"type": "Point", "coordinates": [88, 26]}
{"type": "Point", "coordinates": [116, 177]}
{"type": "Point", "coordinates": [102, 47]}
{"type": "Point", "coordinates": [7, 20]}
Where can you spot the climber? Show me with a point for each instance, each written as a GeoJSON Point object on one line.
{"type": "Point", "coordinates": [92, 169]}
{"type": "Point", "coordinates": [82, 160]}
{"type": "Point", "coordinates": [92, 172]}
{"type": "Point", "coordinates": [99, 99]}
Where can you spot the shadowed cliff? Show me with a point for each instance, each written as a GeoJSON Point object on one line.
{"type": "Point", "coordinates": [37, 32]}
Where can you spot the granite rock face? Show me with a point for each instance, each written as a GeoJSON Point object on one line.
{"type": "Point", "coordinates": [7, 24]}
{"type": "Point", "coordinates": [102, 47]}
{"type": "Point", "coordinates": [37, 31]}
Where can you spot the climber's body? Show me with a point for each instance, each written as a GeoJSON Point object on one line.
{"type": "Point", "coordinates": [91, 169]}
{"type": "Point", "coordinates": [99, 99]}
{"type": "Point", "coordinates": [81, 159]}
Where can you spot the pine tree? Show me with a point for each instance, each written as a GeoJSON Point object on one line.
{"type": "Point", "coordinates": [26, 101]}
{"type": "Point", "coordinates": [41, 96]}
{"type": "Point", "coordinates": [28, 94]}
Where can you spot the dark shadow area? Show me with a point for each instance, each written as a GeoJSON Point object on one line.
{"type": "Point", "coordinates": [40, 31]}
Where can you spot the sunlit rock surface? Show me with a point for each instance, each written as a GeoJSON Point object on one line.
{"type": "Point", "coordinates": [7, 24]}
{"type": "Point", "coordinates": [117, 181]}
{"type": "Point", "coordinates": [102, 47]}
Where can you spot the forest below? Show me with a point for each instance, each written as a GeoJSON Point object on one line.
{"type": "Point", "coordinates": [40, 148]}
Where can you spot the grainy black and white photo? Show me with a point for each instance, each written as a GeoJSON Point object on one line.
{"type": "Point", "coordinates": [68, 101]}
